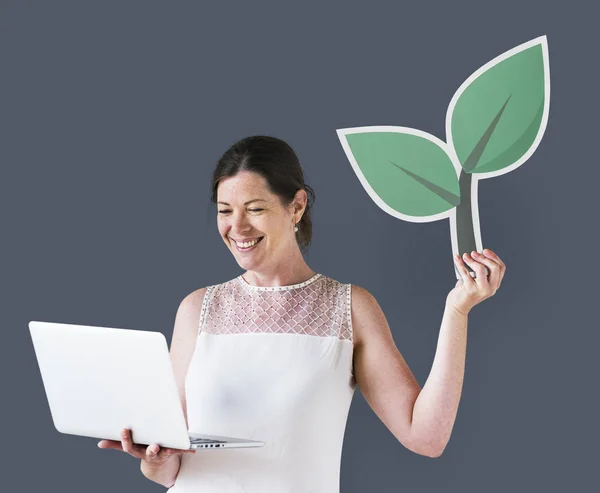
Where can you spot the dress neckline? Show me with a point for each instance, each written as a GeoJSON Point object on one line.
{"type": "Point", "coordinates": [278, 288]}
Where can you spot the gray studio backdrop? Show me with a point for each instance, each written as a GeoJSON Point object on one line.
{"type": "Point", "coordinates": [112, 117]}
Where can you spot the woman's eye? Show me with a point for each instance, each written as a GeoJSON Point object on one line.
{"type": "Point", "coordinates": [226, 211]}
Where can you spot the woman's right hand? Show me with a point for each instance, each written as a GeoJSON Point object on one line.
{"type": "Point", "coordinates": [153, 453]}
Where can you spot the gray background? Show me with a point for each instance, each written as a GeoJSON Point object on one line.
{"type": "Point", "coordinates": [112, 118]}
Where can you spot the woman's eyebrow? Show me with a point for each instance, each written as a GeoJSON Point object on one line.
{"type": "Point", "coordinates": [245, 203]}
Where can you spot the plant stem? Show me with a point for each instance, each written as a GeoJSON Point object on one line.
{"type": "Point", "coordinates": [465, 233]}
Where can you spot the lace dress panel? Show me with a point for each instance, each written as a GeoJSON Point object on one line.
{"type": "Point", "coordinates": [319, 307]}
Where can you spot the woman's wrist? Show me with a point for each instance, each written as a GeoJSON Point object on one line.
{"type": "Point", "coordinates": [457, 310]}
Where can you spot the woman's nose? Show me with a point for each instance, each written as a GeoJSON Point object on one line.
{"type": "Point", "coordinates": [239, 223]}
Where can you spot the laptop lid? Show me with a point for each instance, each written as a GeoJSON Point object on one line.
{"type": "Point", "coordinates": [99, 380]}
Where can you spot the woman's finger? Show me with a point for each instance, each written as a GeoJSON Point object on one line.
{"type": "Point", "coordinates": [494, 269]}
{"type": "Point", "coordinates": [462, 270]}
{"type": "Point", "coordinates": [154, 452]}
{"type": "Point", "coordinates": [112, 444]}
{"type": "Point", "coordinates": [488, 253]}
{"type": "Point", "coordinates": [187, 451]}
{"type": "Point", "coordinates": [138, 451]}
{"type": "Point", "coordinates": [481, 277]}
{"type": "Point", "coordinates": [492, 255]}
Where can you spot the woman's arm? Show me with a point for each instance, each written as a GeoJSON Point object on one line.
{"type": "Point", "coordinates": [436, 406]}
{"type": "Point", "coordinates": [421, 420]}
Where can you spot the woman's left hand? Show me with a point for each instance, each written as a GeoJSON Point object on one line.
{"type": "Point", "coordinates": [468, 291]}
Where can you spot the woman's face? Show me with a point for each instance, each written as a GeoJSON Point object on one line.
{"type": "Point", "coordinates": [249, 213]}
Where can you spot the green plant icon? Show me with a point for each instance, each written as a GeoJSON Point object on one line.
{"type": "Point", "coordinates": [494, 123]}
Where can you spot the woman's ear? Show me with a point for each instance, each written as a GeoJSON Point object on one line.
{"type": "Point", "coordinates": [299, 204]}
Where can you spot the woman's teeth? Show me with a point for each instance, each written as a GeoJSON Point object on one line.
{"type": "Point", "coordinates": [246, 245]}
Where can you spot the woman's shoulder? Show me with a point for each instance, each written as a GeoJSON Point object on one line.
{"type": "Point", "coordinates": [195, 298]}
{"type": "Point", "coordinates": [198, 295]}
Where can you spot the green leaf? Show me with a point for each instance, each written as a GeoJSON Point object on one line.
{"type": "Point", "coordinates": [405, 171]}
{"type": "Point", "coordinates": [498, 116]}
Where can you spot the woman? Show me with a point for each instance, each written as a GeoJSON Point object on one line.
{"type": "Point", "coordinates": [276, 353]}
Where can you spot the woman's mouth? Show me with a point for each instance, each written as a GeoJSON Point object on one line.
{"type": "Point", "coordinates": [247, 246]}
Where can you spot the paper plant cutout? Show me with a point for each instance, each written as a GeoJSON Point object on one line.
{"type": "Point", "coordinates": [494, 123]}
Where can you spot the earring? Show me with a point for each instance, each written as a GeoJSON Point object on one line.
{"type": "Point", "coordinates": [295, 229]}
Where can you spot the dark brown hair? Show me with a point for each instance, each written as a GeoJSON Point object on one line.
{"type": "Point", "coordinates": [277, 163]}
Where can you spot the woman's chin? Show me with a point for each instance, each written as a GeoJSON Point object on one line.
{"type": "Point", "coordinates": [246, 262]}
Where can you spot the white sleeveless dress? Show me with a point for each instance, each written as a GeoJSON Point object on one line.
{"type": "Point", "coordinates": [271, 364]}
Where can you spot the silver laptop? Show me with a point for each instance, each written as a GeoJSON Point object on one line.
{"type": "Point", "coordinates": [99, 380]}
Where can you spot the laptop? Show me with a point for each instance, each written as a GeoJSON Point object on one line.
{"type": "Point", "coordinates": [99, 380]}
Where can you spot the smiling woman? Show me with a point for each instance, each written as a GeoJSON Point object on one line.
{"type": "Point", "coordinates": [276, 353]}
{"type": "Point", "coordinates": [276, 162]}
{"type": "Point", "coordinates": [264, 209]}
